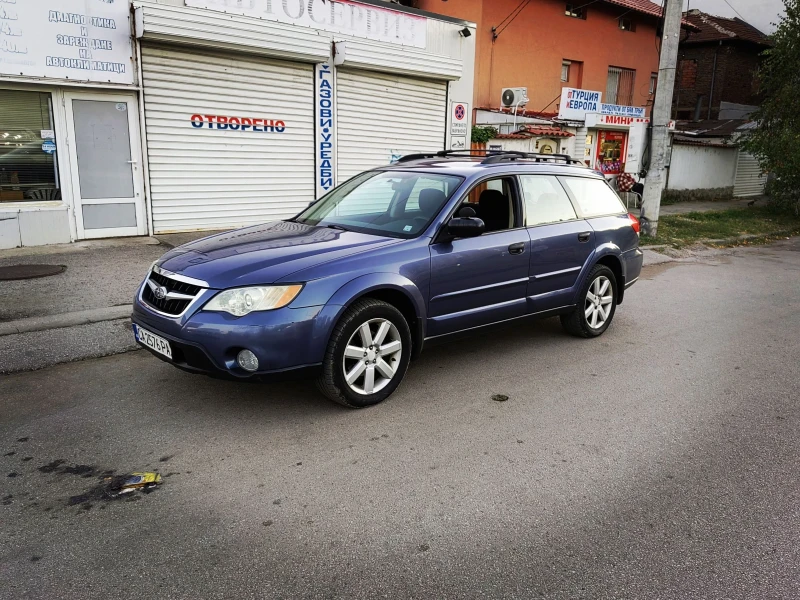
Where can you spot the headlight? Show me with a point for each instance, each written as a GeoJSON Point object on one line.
{"type": "Point", "coordinates": [242, 301]}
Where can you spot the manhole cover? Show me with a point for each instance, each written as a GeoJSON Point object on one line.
{"type": "Point", "coordinates": [30, 271]}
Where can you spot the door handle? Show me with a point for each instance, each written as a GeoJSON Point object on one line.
{"type": "Point", "coordinates": [584, 237]}
{"type": "Point", "coordinates": [517, 248]}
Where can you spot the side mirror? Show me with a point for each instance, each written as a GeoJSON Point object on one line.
{"type": "Point", "coordinates": [465, 227]}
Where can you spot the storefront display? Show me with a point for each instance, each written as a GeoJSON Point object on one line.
{"type": "Point", "coordinates": [28, 170]}
{"type": "Point", "coordinates": [611, 152]}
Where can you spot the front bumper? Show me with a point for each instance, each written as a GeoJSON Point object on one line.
{"type": "Point", "coordinates": [286, 341]}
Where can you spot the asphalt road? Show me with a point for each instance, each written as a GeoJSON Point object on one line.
{"type": "Point", "coordinates": [659, 461]}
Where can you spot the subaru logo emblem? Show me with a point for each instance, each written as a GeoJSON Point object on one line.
{"type": "Point", "coordinates": [160, 292]}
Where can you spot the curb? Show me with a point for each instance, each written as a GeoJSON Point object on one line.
{"type": "Point", "coordinates": [81, 317]}
{"type": "Point", "coordinates": [738, 238]}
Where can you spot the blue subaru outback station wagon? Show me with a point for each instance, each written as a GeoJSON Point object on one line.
{"type": "Point", "coordinates": [353, 287]}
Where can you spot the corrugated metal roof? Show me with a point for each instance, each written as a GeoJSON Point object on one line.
{"type": "Point", "coordinates": [710, 128]}
{"type": "Point", "coordinates": [712, 28]}
{"type": "Point", "coordinates": [521, 112]}
{"type": "Point", "coordinates": [683, 141]}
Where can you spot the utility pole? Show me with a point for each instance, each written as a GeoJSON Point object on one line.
{"type": "Point", "coordinates": [662, 112]}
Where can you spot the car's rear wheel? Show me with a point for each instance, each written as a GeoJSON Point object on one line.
{"type": "Point", "coordinates": [367, 355]}
{"type": "Point", "coordinates": [596, 306]}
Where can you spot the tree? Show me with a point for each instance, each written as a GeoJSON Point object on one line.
{"type": "Point", "coordinates": [776, 140]}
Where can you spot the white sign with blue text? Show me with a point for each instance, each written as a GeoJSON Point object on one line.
{"type": "Point", "coordinates": [80, 40]}
{"type": "Point", "coordinates": [324, 82]}
{"type": "Point", "coordinates": [637, 112]}
{"type": "Point", "coordinates": [576, 103]}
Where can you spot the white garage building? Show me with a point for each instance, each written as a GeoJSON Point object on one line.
{"type": "Point", "coordinates": [252, 108]}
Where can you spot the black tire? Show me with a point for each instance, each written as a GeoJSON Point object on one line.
{"type": "Point", "coordinates": [576, 323]}
{"type": "Point", "coordinates": [332, 381]}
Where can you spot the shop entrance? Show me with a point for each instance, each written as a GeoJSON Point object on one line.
{"type": "Point", "coordinates": [106, 165]}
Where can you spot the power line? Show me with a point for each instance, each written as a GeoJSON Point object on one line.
{"type": "Point", "coordinates": [736, 11]}
{"type": "Point", "coordinates": [500, 24]}
{"type": "Point", "coordinates": [519, 9]}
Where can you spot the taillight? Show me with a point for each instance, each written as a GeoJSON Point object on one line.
{"type": "Point", "coordinates": [634, 223]}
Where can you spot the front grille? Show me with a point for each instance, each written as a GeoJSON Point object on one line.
{"type": "Point", "coordinates": [169, 305]}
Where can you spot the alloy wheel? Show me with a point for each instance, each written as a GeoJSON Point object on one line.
{"type": "Point", "coordinates": [599, 299]}
{"type": "Point", "coordinates": [372, 356]}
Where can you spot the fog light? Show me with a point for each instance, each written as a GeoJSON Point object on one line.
{"type": "Point", "coordinates": [247, 360]}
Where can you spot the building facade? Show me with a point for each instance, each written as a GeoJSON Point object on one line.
{"type": "Point", "coordinates": [182, 115]}
{"type": "Point", "coordinates": [70, 152]}
{"type": "Point", "coordinates": [589, 68]}
{"type": "Point", "coordinates": [718, 65]}
{"type": "Point", "coordinates": [546, 45]}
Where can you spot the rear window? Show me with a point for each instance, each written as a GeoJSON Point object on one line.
{"type": "Point", "coordinates": [593, 196]}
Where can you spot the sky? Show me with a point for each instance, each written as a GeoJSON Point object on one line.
{"type": "Point", "coordinates": [759, 13]}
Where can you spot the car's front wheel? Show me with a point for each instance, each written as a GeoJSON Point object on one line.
{"type": "Point", "coordinates": [596, 306]}
{"type": "Point", "coordinates": [367, 355]}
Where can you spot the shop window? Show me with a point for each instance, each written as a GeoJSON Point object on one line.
{"type": "Point", "coordinates": [565, 64]}
{"type": "Point", "coordinates": [688, 73]}
{"type": "Point", "coordinates": [610, 152]}
{"type": "Point", "coordinates": [619, 87]}
{"type": "Point", "coordinates": [653, 83]}
{"type": "Point", "coordinates": [575, 10]}
{"type": "Point", "coordinates": [627, 24]}
{"type": "Point", "coordinates": [28, 170]}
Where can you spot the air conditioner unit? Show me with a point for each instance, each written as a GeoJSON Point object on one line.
{"type": "Point", "coordinates": [517, 96]}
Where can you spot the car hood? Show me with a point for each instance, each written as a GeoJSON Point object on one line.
{"type": "Point", "coordinates": [265, 253]}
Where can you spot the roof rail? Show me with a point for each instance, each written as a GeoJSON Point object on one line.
{"type": "Point", "coordinates": [439, 154]}
{"type": "Point", "coordinates": [508, 156]}
{"type": "Point", "coordinates": [492, 156]}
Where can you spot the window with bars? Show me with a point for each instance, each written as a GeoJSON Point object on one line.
{"type": "Point", "coordinates": [619, 88]}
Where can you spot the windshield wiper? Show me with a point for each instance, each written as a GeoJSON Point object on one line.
{"type": "Point", "coordinates": [335, 226]}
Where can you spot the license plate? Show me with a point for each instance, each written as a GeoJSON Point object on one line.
{"type": "Point", "coordinates": [155, 342]}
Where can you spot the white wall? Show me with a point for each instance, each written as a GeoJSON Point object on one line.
{"type": "Point", "coordinates": [529, 145]}
{"type": "Point", "coordinates": [701, 167]}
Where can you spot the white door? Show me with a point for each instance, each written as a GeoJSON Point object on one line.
{"type": "Point", "coordinates": [105, 160]}
{"type": "Point", "coordinates": [381, 116]}
{"type": "Point", "coordinates": [230, 138]}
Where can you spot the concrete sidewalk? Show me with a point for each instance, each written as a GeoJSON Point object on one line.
{"type": "Point", "coordinates": [82, 312]}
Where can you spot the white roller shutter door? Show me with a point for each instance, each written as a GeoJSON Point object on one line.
{"type": "Point", "coordinates": [380, 114]}
{"type": "Point", "coordinates": [749, 181]}
{"type": "Point", "coordinates": [209, 178]}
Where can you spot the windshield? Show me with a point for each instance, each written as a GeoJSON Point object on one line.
{"type": "Point", "coordinates": [393, 203]}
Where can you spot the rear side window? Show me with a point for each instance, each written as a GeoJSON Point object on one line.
{"type": "Point", "coordinates": [545, 200]}
{"type": "Point", "coordinates": [593, 196]}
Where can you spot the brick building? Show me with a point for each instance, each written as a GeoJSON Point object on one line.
{"type": "Point", "coordinates": [718, 66]}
